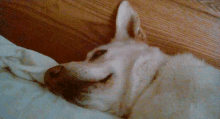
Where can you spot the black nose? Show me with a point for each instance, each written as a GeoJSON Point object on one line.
{"type": "Point", "coordinates": [54, 73]}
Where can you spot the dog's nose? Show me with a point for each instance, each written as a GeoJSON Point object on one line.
{"type": "Point", "coordinates": [54, 74]}
{"type": "Point", "coordinates": [55, 71]}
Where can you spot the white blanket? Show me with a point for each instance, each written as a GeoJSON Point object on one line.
{"type": "Point", "coordinates": [22, 98]}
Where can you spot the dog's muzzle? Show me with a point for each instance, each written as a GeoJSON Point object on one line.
{"type": "Point", "coordinates": [60, 82]}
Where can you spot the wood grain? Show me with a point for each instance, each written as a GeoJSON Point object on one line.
{"type": "Point", "coordinates": [67, 29]}
{"type": "Point", "coordinates": [211, 7]}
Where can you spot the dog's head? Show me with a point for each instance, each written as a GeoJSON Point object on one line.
{"type": "Point", "coordinates": [106, 80]}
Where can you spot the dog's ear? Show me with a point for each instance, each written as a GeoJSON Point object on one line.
{"type": "Point", "coordinates": [127, 23]}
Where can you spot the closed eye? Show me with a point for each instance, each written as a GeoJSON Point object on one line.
{"type": "Point", "coordinates": [97, 54]}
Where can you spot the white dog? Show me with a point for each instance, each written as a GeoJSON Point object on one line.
{"type": "Point", "coordinates": [133, 80]}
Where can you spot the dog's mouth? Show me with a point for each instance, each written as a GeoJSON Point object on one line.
{"type": "Point", "coordinates": [97, 85]}
{"type": "Point", "coordinates": [106, 79]}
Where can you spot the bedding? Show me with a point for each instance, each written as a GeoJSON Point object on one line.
{"type": "Point", "coordinates": [22, 96]}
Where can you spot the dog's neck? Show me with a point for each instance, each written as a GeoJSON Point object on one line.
{"type": "Point", "coordinates": [141, 76]}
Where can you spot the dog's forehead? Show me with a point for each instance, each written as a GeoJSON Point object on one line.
{"type": "Point", "coordinates": [118, 47]}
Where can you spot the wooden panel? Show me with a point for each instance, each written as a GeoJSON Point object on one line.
{"type": "Point", "coordinates": [211, 7]}
{"type": "Point", "coordinates": [67, 29]}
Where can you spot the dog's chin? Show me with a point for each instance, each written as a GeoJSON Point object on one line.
{"type": "Point", "coordinates": [91, 97]}
{"type": "Point", "coordinates": [92, 101]}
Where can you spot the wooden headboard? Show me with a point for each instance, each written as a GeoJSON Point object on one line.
{"type": "Point", "coordinates": [67, 29]}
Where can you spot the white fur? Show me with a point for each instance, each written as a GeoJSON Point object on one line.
{"type": "Point", "coordinates": [147, 83]}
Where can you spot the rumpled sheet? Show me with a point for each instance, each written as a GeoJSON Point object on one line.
{"type": "Point", "coordinates": [21, 96]}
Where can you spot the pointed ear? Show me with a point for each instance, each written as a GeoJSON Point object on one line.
{"type": "Point", "coordinates": [127, 23]}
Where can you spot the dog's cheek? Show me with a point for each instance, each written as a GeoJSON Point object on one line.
{"type": "Point", "coordinates": [101, 87]}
